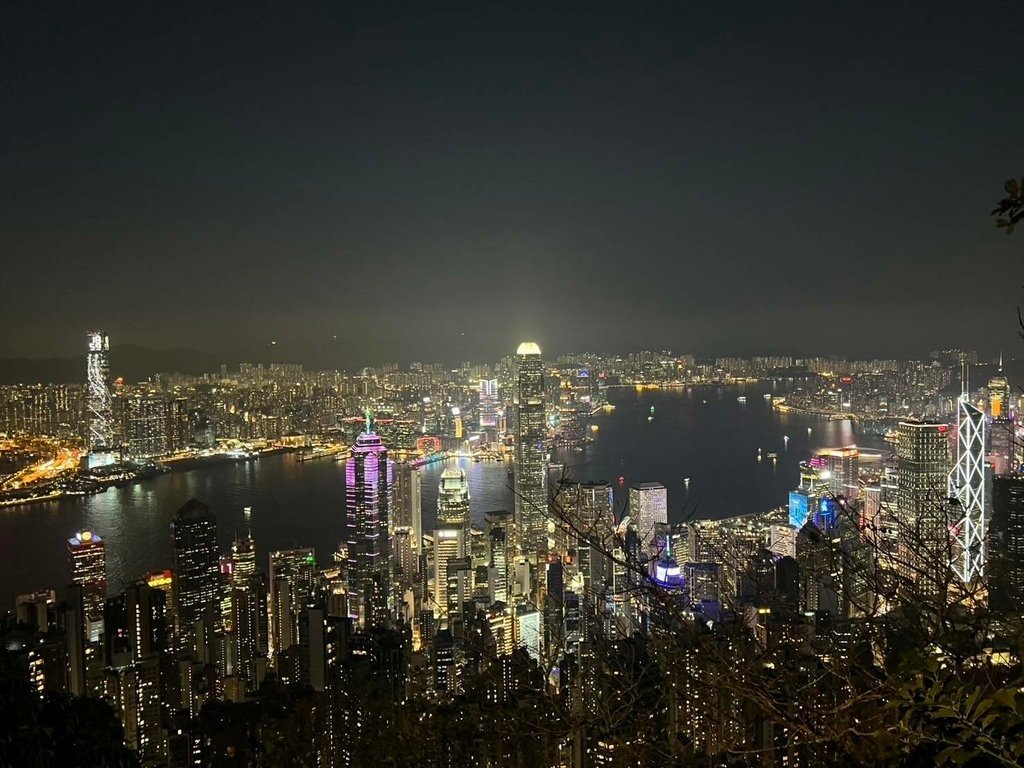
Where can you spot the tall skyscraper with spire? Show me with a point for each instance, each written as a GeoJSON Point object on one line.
{"type": "Point", "coordinates": [999, 394]}
{"type": "Point", "coordinates": [369, 479]}
{"type": "Point", "coordinates": [530, 471]}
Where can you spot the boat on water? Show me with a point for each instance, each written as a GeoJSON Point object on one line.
{"type": "Point", "coordinates": [742, 400]}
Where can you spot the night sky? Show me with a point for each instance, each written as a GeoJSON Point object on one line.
{"type": "Point", "coordinates": [439, 184]}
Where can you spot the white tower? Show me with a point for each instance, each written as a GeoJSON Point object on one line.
{"type": "Point", "coordinates": [967, 486]}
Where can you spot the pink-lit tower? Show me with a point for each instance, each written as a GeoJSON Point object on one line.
{"type": "Point", "coordinates": [369, 478]}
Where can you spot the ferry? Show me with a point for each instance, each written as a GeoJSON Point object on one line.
{"type": "Point", "coordinates": [742, 400]}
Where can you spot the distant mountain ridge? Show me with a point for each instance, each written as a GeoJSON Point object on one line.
{"type": "Point", "coordinates": [133, 363]}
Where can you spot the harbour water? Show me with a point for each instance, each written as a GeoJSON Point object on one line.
{"type": "Point", "coordinates": [702, 433]}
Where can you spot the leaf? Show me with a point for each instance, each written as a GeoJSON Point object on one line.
{"type": "Point", "coordinates": [955, 755]}
{"type": "Point", "coordinates": [983, 706]}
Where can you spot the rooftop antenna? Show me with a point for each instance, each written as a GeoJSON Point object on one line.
{"type": "Point", "coordinates": [965, 384]}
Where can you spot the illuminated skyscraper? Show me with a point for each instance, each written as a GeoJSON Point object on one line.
{"type": "Point", "coordinates": [999, 394]}
{"type": "Point", "coordinates": [967, 488]}
{"type": "Point", "coordinates": [196, 566]}
{"type": "Point", "coordinates": [87, 555]}
{"type": "Point", "coordinates": [449, 546]}
{"type": "Point", "coordinates": [922, 502]}
{"type": "Point", "coordinates": [453, 500]}
{"type": "Point", "coordinates": [243, 555]}
{"type": "Point", "coordinates": [408, 502]}
{"type": "Point", "coordinates": [291, 584]}
{"type": "Point", "coordinates": [1006, 544]}
{"type": "Point", "coordinates": [488, 403]}
{"type": "Point", "coordinates": [595, 521]}
{"type": "Point", "coordinates": [499, 524]}
{"type": "Point", "coordinates": [369, 478]}
{"type": "Point", "coordinates": [531, 433]}
{"type": "Point", "coordinates": [136, 633]}
{"type": "Point", "coordinates": [146, 425]}
{"type": "Point", "coordinates": [843, 468]}
{"type": "Point", "coordinates": [648, 506]}
{"type": "Point", "coordinates": [99, 405]}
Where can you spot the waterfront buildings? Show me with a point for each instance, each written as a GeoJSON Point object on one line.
{"type": "Point", "coordinates": [147, 423]}
{"type": "Point", "coordinates": [98, 402]}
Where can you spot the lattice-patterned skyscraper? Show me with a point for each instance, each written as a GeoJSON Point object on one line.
{"type": "Point", "coordinates": [98, 400]}
{"type": "Point", "coordinates": [967, 486]}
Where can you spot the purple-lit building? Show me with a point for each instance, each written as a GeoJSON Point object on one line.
{"type": "Point", "coordinates": [369, 478]}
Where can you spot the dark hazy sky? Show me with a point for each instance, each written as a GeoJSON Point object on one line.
{"type": "Point", "coordinates": [707, 177]}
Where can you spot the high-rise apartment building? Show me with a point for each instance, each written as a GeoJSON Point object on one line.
{"type": "Point", "coordinates": [530, 451]}
{"type": "Point", "coordinates": [292, 581]}
{"type": "Point", "coordinates": [147, 423]}
{"type": "Point", "coordinates": [369, 480]}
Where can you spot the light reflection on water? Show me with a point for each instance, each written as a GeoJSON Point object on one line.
{"type": "Point", "coordinates": [714, 443]}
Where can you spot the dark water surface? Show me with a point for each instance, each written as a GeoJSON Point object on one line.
{"type": "Point", "coordinates": [702, 433]}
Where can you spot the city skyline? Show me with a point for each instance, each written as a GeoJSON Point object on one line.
{"type": "Point", "coordinates": [563, 570]}
{"type": "Point", "coordinates": [723, 179]}
{"type": "Point", "coordinates": [573, 385]}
